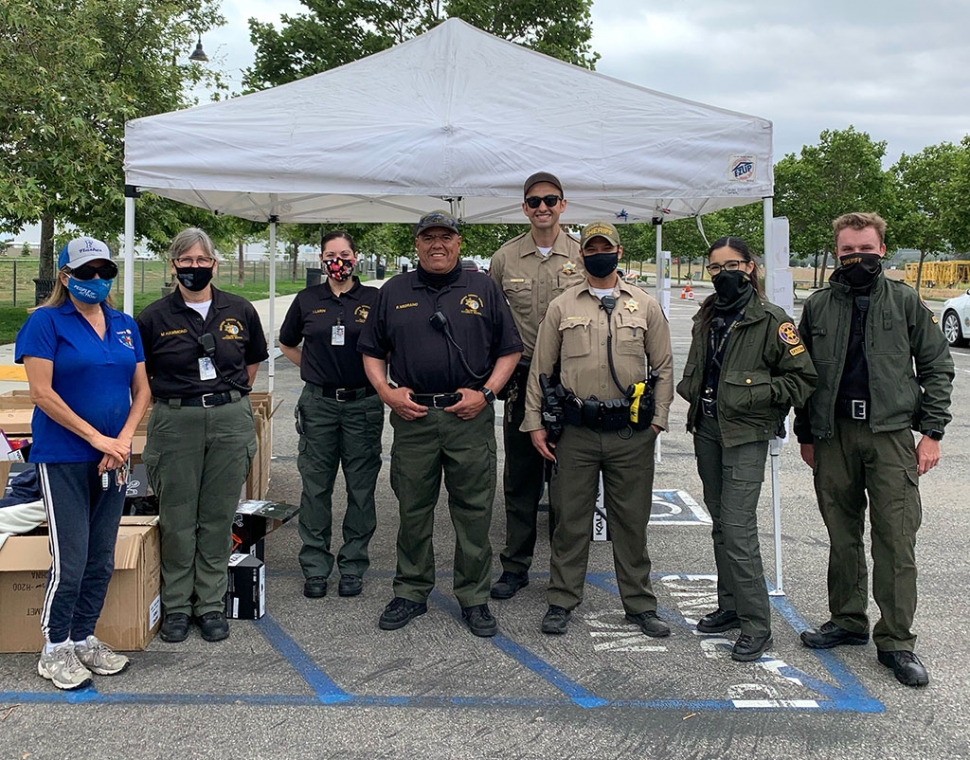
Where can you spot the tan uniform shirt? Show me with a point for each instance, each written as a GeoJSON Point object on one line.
{"type": "Point", "coordinates": [531, 281]}
{"type": "Point", "coordinates": [575, 331]}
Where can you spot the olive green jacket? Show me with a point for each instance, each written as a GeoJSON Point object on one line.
{"type": "Point", "coordinates": [766, 371]}
{"type": "Point", "coordinates": [910, 367]}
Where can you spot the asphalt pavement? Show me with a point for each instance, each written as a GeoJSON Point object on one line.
{"type": "Point", "coordinates": [317, 678]}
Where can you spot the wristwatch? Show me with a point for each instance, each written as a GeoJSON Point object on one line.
{"type": "Point", "coordinates": [490, 397]}
{"type": "Point", "coordinates": [936, 435]}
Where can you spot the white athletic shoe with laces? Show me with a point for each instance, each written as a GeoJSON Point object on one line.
{"type": "Point", "coordinates": [63, 668]}
{"type": "Point", "coordinates": [99, 658]}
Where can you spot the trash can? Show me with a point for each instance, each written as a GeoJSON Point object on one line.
{"type": "Point", "coordinates": [381, 271]}
{"type": "Point", "coordinates": [314, 276]}
{"type": "Point", "coordinates": [43, 287]}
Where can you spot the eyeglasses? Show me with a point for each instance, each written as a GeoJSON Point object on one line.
{"type": "Point", "coordinates": [728, 266]}
{"type": "Point", "coordinates": [106, 271]}
{"type": "Point", "coordinates": [533, 201]}
{"type": "Point", "coordinates": [188, 261]}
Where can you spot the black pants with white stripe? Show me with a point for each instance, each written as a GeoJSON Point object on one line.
{"type": "Point", "coordinates": [83, 519]}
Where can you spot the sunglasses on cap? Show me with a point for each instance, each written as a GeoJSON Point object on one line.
{"type": "Point", "coordinates": [106, 271]}
{"type": "Point", "coordinates": [533, 201]}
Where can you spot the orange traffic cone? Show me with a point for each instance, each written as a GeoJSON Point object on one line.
{"type": "Point", "coordinates": [687, 293]}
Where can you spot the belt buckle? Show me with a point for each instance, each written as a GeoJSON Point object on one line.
{"type": "Point", "coordinates": [338, 395]}
{"type": "Point", "coordinates": [438, 396]}
{"type": "Point", "coordinates": [858, 408]}
{"type": "Point", "coordinates": [205, 396]}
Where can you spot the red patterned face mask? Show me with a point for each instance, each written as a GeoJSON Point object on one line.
{"type": "Point", "coordinates": [339, 269]}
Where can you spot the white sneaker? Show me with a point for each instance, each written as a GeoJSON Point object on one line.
{"type": "Point", "coordinates": [100, 658]}
{"type": "Point", "coordinates": [63, 668]}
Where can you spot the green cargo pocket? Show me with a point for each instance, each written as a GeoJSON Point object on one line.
{"type": "Point", "coordinates": [911, 504]}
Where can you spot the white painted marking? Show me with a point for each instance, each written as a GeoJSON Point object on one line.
{"type": "Point", "coordinates": [756, 703]}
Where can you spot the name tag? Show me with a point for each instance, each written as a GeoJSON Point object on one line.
{"type": "Point", "coordinates": [207, 370]}
{"type": "Point", "coordinates": [337, 335]}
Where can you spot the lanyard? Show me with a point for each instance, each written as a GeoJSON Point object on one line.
{"type": "Point", "coordinates": [717, 351]}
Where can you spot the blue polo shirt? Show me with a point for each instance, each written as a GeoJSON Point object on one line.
{"type": "Point", "coordinates": [92, 375]}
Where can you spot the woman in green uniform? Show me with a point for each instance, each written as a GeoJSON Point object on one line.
{"type": "Point", "coordinates": [746, 368]}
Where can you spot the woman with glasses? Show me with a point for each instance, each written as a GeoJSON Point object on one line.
{"type": "Point", "coordinates": [339, 417]}
{"type": "Point", "coordinates": [86, 372]}
{"type": "Point", "coordinates": [203, 347]}
{"type": "Point", "coordinates": [746, 368]}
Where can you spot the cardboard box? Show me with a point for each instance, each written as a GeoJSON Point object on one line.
{"type": "Point", "coordinates": [246, 591]}
{"type": "Point", "coordinates": [255, 519]}
{"type": "Point", "coordinates": [132, 609]}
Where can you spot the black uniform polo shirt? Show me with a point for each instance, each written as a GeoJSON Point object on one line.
{"type": "Point", "coordinates": [170, 333]}
{"type": "Point", "coordinates": [311, 319]}
{"type": "Point", "coordinates": [422, 358]}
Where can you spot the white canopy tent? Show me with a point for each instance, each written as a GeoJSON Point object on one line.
{"type": "Point", "coordinates": [454, 118]}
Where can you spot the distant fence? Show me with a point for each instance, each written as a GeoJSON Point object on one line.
{"type": "Point", "coordinates": [17, 276]}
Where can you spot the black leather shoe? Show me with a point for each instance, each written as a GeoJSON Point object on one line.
{"type": "Point", "coordinates": [719, 620]}
{"type": "Point", "coordinates": [509, 584]}
{"type": "Point", "coordinates": [213, 625]}
{"type": "Point", "coordinates": [830, 635]}
{"type": "Point", "coordinates": [556, 620]}
{"type": "Point", "coordinates": [175, 628]}
{"type": "Point", "coordinates": [350, 585]}
{"type": "Point", "coordinates": [315, 587]}
{"type": "Point", "coordinates": [906, 667]}
{"type": "Point", "coordinates": [480, 620]}
{"type": "Point", "coordinates": [748, 648]}
{"type": "Point", "coordinates": [650, 623]}
{"type": "Point", "coordinates": [399, 612]}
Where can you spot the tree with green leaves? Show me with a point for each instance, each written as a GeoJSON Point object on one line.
{"type": "Point", "coordinates": [957, 219]}
{"type": "Point", "coordinates": [334, 32]}
{"type": "Point", "coordinates": [925, 200]}
{"type": "Point", "coordinates": [71, 74]}
{"type": "Point", "coordinates": [842, 173]}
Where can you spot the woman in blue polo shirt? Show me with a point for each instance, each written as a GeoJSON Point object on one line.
{"type": "Point", "coordinates": [86, 371]}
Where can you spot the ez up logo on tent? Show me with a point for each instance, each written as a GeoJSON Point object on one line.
{"type": "Point", "coordinates": [742, 168]}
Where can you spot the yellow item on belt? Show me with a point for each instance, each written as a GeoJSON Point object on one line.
{"type": "Point", "coordinates": [638, 390]}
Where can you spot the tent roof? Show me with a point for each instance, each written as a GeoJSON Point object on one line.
{"type": "Point", "coordinates": [454, 115]}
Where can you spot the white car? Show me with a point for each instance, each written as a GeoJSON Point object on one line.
{"type": "Point", "coordinates": [955, 319]}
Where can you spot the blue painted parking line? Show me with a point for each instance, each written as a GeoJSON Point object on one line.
{"type": "Point", "coordinates": [848, 695]}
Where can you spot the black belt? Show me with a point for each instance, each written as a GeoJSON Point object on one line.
{"type": "Point", "coordinates": [347, 394]}
{"type": "Point", "coordinates": [852, 408]}
{"type": "Point", "coordinates": [206, 400]}
{"type": "Point", "coordinates": [436, 400]}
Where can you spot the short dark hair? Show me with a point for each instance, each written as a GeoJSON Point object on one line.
{"type": "Point", "coordinates": [326, 237]}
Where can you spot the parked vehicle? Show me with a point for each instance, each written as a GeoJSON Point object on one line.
{"type": "Point", "coordinates": [955, 320]}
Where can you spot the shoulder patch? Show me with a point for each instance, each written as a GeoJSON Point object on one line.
{"type": "Point", "coordinates": [789, 334]}
{"type": "Point", "coordinates": [796, 350]}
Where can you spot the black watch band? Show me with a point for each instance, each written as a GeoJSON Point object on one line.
{"type": "Point", "coordinates": [489, 396]}
{"type": "Point", "coordinates": [936, 435]}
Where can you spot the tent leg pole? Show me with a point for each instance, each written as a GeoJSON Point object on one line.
{"type": "Point", "coordinates": [272, 301]}
{"type": "Point", "coordinates": [129, 252]}
{"type": "Point", "coordinates": [775, 449]}
{"type": "Point", "coordinates": [657, 454]}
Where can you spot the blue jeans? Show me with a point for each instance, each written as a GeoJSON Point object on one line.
{"type": "Point", "coordinates": [83, 520]}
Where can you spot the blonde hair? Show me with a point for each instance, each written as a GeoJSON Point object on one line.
{"type": "Point", "coordinates": [859, 221]}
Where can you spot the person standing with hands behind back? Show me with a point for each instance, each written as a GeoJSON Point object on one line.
{"type": "Point", "coordinates": [202, 348]}
{"type": "Point", "coordinates": [339, 417]}
{"type": "Point", "coordinates": [746, 367]}
{"type": "Point", "coordinates": [86, 372]}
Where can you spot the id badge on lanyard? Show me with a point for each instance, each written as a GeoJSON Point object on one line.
{"type": "Point", "coordinates": [338, 335]}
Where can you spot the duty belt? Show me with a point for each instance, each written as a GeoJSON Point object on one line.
{"type": "Point", "coordinates": [206, 400]}
{"type": "Point", "coordinates": [853, 408]}
{"type": "Point", "coordinates": [347, 394]}
{"type": "Point", "coordinates": [436, 400]}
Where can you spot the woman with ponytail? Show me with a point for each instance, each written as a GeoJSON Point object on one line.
{"type": "Point", "coordinates": [746, 368]}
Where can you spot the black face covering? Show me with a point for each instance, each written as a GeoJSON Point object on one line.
{"type": "Point", "coordinates": [733, 290]}
{"type": "Point", "coordinates": [601, 264]}
{"type": "Point", "coordinates": [438, 281]}
{"type": "Point", "coordinates": [858, 270]}
{"type": "Point", "coordinates": [194, 278]}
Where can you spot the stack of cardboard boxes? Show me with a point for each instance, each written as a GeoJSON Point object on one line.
{"type": "Point", "coordinates": [132, 608]}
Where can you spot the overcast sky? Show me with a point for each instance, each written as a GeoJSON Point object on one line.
{"type": "Point", "coordinates": [897, 70]}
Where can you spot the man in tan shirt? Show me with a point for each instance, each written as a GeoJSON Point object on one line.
{"type": "Point", "coordinates": [532, 269]}
{"type": "Point", "coordinates": [608, 337]}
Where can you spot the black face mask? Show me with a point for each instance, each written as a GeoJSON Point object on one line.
{"type": "Point", "coordinates": [859, 270]}
{"type": "Point", "coordinates": [600, 265]}
{"type": "Point", "coordinates": [733, 290]}
{"type": "Point", "coordinates": [194, 278]}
